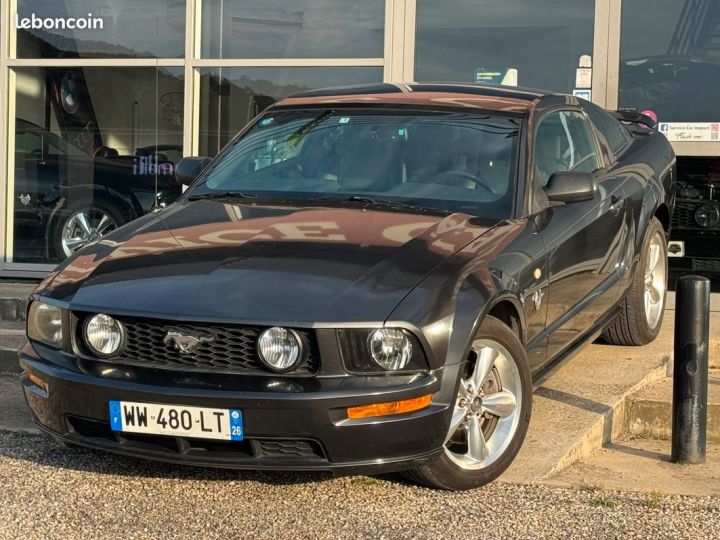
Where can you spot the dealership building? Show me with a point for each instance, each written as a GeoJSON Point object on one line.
{"type": "Point", "coordinates": [101, 98]}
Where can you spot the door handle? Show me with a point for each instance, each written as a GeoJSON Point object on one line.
{"type": "Point", "coordinates": [616, 204]}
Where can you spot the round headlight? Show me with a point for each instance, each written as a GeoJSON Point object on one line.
{"type": "Point", "coordinates": [279, 349]}
{"type": "Point", "coordinates": [104, 335]}
{"type": "Point", "coordinates": [707, 215]}
{"type": "Point", "coordinates": [391, 348]}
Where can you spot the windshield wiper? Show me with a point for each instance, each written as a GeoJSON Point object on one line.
{"type": "Point", "coordinates": [221, 195]}
{"type": "Point", "coordinates": [305, 128]}
{"type": "Point", "coordinates": [380, 202]}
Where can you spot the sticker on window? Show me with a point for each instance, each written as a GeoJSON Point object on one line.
{"type": "Point", "coordinates": [344, 120]}
{"type": "Point", "coordinates": [266, 121]}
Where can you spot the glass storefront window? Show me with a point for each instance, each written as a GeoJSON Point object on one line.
{"type": "Point", "coordinates": [231, 97]}
{"type": "Point", "coordinates": [292, 29]}
{"type": "Point", "coordinates": [100, 28]}
{"type": "Point", "coordinates": [94, 147]}
{"type": "Point", "coordinates": [477, 40]}
{"type": "Point", "coordinates": [670, 59]}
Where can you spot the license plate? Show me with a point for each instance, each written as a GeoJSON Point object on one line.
{"type": "Point", "coordinates": [176, 420]}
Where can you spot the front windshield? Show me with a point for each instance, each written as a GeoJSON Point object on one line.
{"type": "Point", "coordinates": [454, 162]}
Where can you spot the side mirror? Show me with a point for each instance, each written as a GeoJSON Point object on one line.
{"type": "Point", "coordinates": [571, 186]}
{"type": "Point", "coordinates": [189, 168]}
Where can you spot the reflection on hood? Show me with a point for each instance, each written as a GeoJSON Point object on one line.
{"type": "Point", "coordinates": [232, 262]}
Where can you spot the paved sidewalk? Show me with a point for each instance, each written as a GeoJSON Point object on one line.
{"type": "Point", "coordinates": [643, 465]}
{"type": "Point", "coordinates": [581, 407]}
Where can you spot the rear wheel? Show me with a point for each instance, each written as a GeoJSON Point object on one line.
{"type": "Point", "coordinates": [644, 304]}
{"type": "Point", "coordinates": [490, 414]}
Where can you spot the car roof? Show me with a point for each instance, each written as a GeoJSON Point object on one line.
{"type": "Point", "coordinates": [487, 97]}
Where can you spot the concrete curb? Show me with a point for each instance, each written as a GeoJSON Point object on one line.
{"type": "Point", "coordinates": [9, 361]}
{"type": "Point", "coordinates": [649, 411]}
{"type": "Point", "coordinates": [650, 419]}
{"type": "Point", "coordinates": [15, 415]}
{"type": "Point", "coordinates": [14, 300]}
{"type": "Point", "coordinates": [609, 425]}
{"type": "Point", "coordinates": [12, 339]}
{"type": "Point", "coordinates": [13, 309]}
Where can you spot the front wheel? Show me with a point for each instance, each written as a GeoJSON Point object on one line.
{"type": "Point", "coordinates": [490, 414]}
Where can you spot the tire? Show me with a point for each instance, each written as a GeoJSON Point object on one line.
{"type": "Point", "coordinates": [58, 238]}
{"type": "Point", "coordinates": [636, 324]}
{"type": "Point", "coordinates": [502, 435]}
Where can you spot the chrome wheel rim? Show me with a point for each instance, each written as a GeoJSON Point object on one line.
{"type": "Point", "coordinates": [83, 227]}
{"type": "Point", "coordinates": [655, 281]}
{"type": "Point", "coordinates": [487, 409]}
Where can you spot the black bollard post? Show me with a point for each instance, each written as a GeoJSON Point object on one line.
{"type": "Point", "coordinates": [690, 377]}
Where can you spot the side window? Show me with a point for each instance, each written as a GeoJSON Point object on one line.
{"type": "Point", "coordinates": [564, 142]}
{"type": "Point", "coordinates": [27, 142]}
{"type": "Point", "coordinates": [612, 130]}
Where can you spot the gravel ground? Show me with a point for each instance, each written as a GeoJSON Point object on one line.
{"type": "Point", "coordinates": [48, 492]}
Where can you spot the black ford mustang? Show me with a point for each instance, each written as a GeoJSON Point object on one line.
{"type": "Point", "coordinates": [365, 279]}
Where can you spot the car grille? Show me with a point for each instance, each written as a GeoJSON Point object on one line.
{"type": "Point", "coordinates": [232, 349]}
{"type": "Point", "coordinates": [279, 450]}
{"type": "Point", "coordinates": [684, 215]}
{"type": "Point", "coordinates": [286, 448]}
{"type": "Point", "coordinates": [706, 265]}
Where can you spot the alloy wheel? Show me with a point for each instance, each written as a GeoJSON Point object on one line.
{"type": "Point", "coordinates": [83, 227]}
{"type": "Point", "coordinates": [486, 414]}
{"type": "Point", "coordinates": [655, 281]}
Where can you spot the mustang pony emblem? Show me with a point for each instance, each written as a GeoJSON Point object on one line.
{"type": "Point", "coordinates": [536, 298]}
{"type": "Point", "coordinates": [185, 341]}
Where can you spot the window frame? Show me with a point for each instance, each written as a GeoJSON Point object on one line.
{"type": "Point", "coordinates": [612, 153]}
{"type": "Point", "coordinates": [536, 114]}
{"type": "Point", "coordinates": [560, 109]}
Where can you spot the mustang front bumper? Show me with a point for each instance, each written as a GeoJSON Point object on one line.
{"type": "Point", "coordinates": [298, 424]}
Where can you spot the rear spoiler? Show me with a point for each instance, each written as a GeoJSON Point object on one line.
{"type": "Point", "coordinates": [634, 118]}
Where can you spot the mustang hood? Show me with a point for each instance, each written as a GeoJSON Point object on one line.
{"type": "Point", "coordinates": [214, 261]}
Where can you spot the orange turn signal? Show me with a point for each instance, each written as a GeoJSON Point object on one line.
{"type": "Point", "coordinates": [37, 381]}
{"type": "Point", "coordinates": [392, 407]}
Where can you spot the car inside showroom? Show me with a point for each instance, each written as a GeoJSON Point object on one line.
{"type": "Point", "coordinates": [105, 96]}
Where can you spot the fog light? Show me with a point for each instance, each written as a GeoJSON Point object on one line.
{"type": "Point", "coordinates": [280, 349]}
{"type": "Point", "coordinates": [104, 335]}
{"type": "Point", "coordinates": [707, 216]}
{"type": "Point", "coordinates": [392, 407]}
{"type": "Point", "coordinates": [390, 348]}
